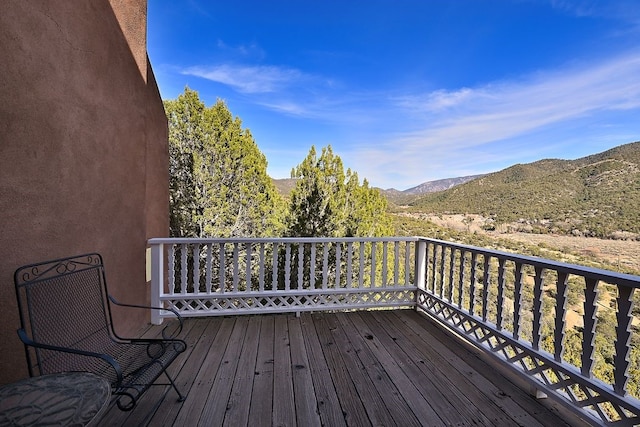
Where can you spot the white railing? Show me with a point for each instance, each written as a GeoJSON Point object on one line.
{"type": "Point", "coordinates": [520, 309]}
{"type": "Point", "coordinates": [528, 311]}
{"type": "Point", "coordinates": [209, 277]}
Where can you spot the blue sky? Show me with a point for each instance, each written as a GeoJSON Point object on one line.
{"type": "Point", "coordinates": [409, 91]}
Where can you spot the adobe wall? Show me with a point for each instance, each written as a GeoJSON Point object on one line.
{"type": "Point", "coordinates": [83, 148]}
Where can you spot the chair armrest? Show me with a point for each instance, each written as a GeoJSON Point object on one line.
{"type": "Point", "coordinates": [105, 357]}
{"type": "Point", "coordinates": [165, 334]}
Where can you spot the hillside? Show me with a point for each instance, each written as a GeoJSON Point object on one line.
{"type": "Point", "coordinates": [595, 196]}
{"type": "Point", "coordinates": [439, 185]}
{"type": "Point", "coordinates": [285, 185]}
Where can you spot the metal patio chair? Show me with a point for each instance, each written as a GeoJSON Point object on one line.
{"type": "Point", "coordinates": [66, 325]}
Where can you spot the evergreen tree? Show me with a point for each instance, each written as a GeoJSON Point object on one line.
{"type": "Point", "coordinates": [218, 177]}
{"type": "Point", "coordinates": [327, 202]}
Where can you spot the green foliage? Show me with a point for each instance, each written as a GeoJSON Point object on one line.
{"type": "Point", "coordinates": [327, 202]}
{"type": "Point", "coordinates": [218, 180]}
{"type": "Point", "coordinates": [596, 196]}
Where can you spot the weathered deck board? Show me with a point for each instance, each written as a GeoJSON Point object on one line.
{"type": "Point", "coordinates": [512, 401]}
{"type": "Point", "coordinates": [449, 379]}
{"type": "Point", "coordinates": [405, 374]}
{"type": "Point", "coordinates": [375, 386]}
{"type": "Point", "coordinates": [481, 397]}
{"type": "Point", "coordinates": [331, 412]}
{"type": "Point", "coordinates": [283, 399]}
{"type": "Point", "coordinates": [360, 368]}
{"type": "Point", "coordinates": [262, 393]}
{"type": "Point", "coordinates": [305, 400]}
{"type": "Point", "coordinates": [240, 400]}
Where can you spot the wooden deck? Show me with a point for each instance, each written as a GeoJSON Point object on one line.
{"type": "Point", "coordinates": [361, 368]}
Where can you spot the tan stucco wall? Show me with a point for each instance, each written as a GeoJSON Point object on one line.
{"type": "Point", "coordinates": [83, 148]}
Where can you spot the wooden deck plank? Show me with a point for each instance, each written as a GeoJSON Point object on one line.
{"type": "Point", "coordinates": [452, 405]}
{"type": "Point", "coordinates": [199, 342]}
{"type": "Point", "coordinates": [380, 372]}
{"type": "Point", "coordinates": [408, 382]}
{"type": "Point", "coordinates": [329, 408]}
{"type": "Point", "coordinates": [478, 400]}
{"type": "Point", "coordinates": [520, 405]}
{"type": "Point", "coordinates": [216, 403]}
{"type": "Point", "coordinates": [240, 400]}
{"type": "Point", "coordinates": [192, 407]}
{"type": "Point", "coordinates": [334, 369]}
{"type": "Point", "coordinates": [303, 389]}
{"type": "Point", "coordinates": [412, 361]}
{"type": "Point", "coordinates": [262, 393]}
{"type": "Point", "coordinates": [284, 413]}
{"type": "Point", "coordinates": [352, 405]}
{"type": "Point", "coordinates": [374, 404]}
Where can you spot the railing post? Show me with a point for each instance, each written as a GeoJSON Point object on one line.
{"type": "Point", "coordinates": [421, 267]}
{"type": "Point", "coordinates": [157, 281]}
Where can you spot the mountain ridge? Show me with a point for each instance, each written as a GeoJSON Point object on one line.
{"type": "Point", "coordinates": [594, 196]}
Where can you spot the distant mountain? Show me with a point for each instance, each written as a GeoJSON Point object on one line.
{"type": "Point", "coordinates": [285, 185]}
{"type": "Point", "coordinates": [439, 185]}
{"type": "Point", "coordinates": [597, 195]}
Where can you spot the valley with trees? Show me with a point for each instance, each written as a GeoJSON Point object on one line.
{"type": "Point", "coordinates": [219, 187]}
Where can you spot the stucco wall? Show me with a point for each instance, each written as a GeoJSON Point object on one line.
{"type": "Point", "coordinates": [83, 148]}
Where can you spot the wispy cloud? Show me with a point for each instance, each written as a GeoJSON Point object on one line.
{"type": "Point", "coordinates": [286, 107]}
{"type": "Point", "coordinates": [623, 10]}
{"type": "Point", "coordinates": [459, 130]}
{"type": "Point", "coordinates": [453, 131]}
{"type": "Point", "coordinates": [250, 50]}
{"type": "Point", "coordinates": [249, 79]}
{"type": "Point", "coordinates": [504, 109]}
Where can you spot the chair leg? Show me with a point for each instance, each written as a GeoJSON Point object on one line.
{"type": "Point", "coordinates": [181, 397]}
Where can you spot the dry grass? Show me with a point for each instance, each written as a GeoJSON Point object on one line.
{"type": "Point", "coordinates": [623, 254]}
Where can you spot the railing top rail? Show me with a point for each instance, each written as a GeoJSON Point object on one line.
{"type": "Point", "coordinates": [590, 272]}
{"type": "Point", "coordinates": [612, 277]}
{"type": "Point", "coordinates": [201, 240]}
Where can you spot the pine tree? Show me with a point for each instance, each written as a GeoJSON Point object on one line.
{"type": "Point", "coordinates": [219, 184]}
{"type": "Point", "coordinates": [327, 202]}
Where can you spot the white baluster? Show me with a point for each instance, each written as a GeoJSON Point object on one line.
{"type": "Point", "coordinates": [208, 266]}
{"type": "Point", "coordinates": [590, 323]}
{"type": "Point", "coordinates": [349, 266]}
{"type": "Point", "coordinates": [287, 266]}
{"type": "Point", "coordinates": [517, 301]}
{"type": "Point", "coordinates": [624, 317]}
{"type": "Point", "coordinates": [196, 268]}
{"type": "Point", "coordinates": [248, 262]}
{"type": "Point", "coordinates": [486, 280]}
{"type": "Point", "coordinates": [537, 306]}
{"type": "Point", "coordinates": [561, 315]}
{"type": "Point", "coordinates": [300, 265]}
{"type": "Point", "coordinates": [183, 268]}
{"type": "Point", "coordinates": [500, 305]}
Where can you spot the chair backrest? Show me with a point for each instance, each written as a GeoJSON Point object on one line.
{"type": "Point", "coordinates": [63, 303]}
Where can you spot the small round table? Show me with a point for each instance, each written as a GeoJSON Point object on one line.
{"type": "Point", "coordinates": [68, 398]}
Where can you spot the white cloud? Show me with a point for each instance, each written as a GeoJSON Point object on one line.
{"type": "Point", "coordinates": [401, 140]}
{"type": "Point", "coordinates": [249, 79]}
{"type": "Point", "coordinates": [286, 107]}
{"type": "Point", "coordinates": [452, 132]}
{"type": "Point", "coordinates": [251, 50]}
{"type": "Point", "coordinates": [507, 109]}
{"type": "Point", "coordinates": [623, 10]}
